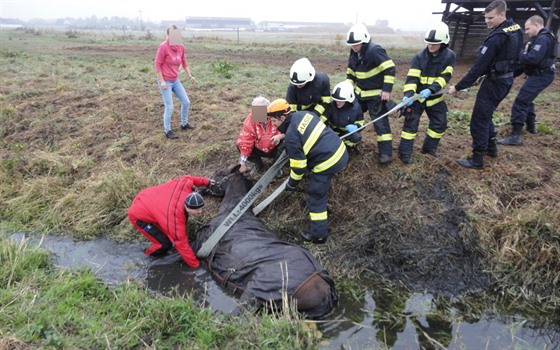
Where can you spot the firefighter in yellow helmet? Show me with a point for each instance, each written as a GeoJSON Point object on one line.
{"type": "Point", "coordinates": [315, 149]}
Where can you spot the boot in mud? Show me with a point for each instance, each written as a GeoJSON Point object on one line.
{"type": "Point", "coordinates": [514, 139]}
{"type": "Point", "coordinates": [532, 128]}
{"type": "Point", "coordinates": [405, 150]}
{"type": "Point", "coordinates": [492, 150]}
{"type": "Point", "coordinates": [385, 149]}
{"type": "Point", "coordinates": [476, 161]}
{"type": "Point", "coordinates": [430, 146]}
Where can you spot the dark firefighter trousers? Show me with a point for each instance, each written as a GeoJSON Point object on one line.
{"type": "Point", "coordinates": [492, 91]}
{"type": "Point", "coordinates": [523, 109]}
{"type": "Point", "coordinates": [377, 108]}
{"type": "Point", "coordinates": [437, 116]}
{"type": "Point", "coordinates": [317, 192]}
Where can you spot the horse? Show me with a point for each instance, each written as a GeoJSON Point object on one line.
{"type": "Point", "coordinates": [252, 262]}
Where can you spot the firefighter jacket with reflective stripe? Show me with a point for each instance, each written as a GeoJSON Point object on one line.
{"type": "Point", "coordinates": [497, 55]}
{"type": "Point", "coordinates": [350, 113]}
{"type": "Point", "coordinates": [313, 96]}
{"type": "Point", "coordinates": [163, 206]}
{"type": "Point", "coordinates": [371, 71]}
{"type": "Point", "coordinates": [541, 53]}
{"type": "Point", "coordinates": [311, 146]}
{"type": "Point", "coordinates": [429, 71]}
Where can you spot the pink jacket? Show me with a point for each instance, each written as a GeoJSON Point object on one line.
{"type": "Point", "coordinates": [254, 134]}
{"type": "Point", "coordinates": [169, 59]}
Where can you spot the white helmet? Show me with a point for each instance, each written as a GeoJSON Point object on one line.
{"type": "Point", "coordinates": [437, 34]}
{"type": "Point", "coordinates": [344, 91]}
{"type": "Point", "coordinates": [357, 34]}
{"type": "Point", "coordinates": [301, 72]}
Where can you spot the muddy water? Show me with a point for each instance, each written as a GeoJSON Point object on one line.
{"type": "Point", "coordinates": [365, 322]}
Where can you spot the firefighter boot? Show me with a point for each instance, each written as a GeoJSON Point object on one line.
{"type": "Point", "coordinates": [385, 149]}
{"type": "Point", "coordinates": [514, 139]}
{"type": "Point", "coordinates": [492, 150]}
{"type": "Point", "coordinates": [405, 151]}
{"type": "Point", "coordinates": [476, 161]}
{"type": "Point", "coordinates": [430, 146]}
{"type": "Point", "coordinates": [531, 127]}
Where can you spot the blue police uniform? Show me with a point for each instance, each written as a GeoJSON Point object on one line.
{"type": "Point", "coordinates": [433, 72]}
{"type": "Point", "coordinates": [314, 148]}
{"type": "Point", "coordinates": [314, 96]}
{"type": "Point", "coordinates": [538, 64]}
{"type": "Point", "coordinates": [496, 61]}
{"type": "Point", "coordinates": [339, 118]}
{"type": "Point", "coordinates": [372, 71]}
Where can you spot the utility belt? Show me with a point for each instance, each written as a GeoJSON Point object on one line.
{"type": "Point", "coordinates": [495, 75]}
{"type": "Point", "coordinates": [541, 71]}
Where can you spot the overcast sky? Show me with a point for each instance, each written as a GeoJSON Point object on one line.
{"type": "Point", "coordinates": [401, 14]}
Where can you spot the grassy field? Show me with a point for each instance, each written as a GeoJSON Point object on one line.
{"type": "Point", "coordinates": [81, 134]}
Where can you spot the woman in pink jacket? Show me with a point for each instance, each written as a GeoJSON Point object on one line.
{"type": "Point", "coordinates": [169, 59]}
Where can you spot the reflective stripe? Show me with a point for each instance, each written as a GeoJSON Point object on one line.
{"type": "Point", "coordinates": [359, 122]}
{"type": "Point", "coordinates": [318, 216]}
{"type": "Point", "coordinates": [297, 163]}
{"type": "Point", "coordinates": [410, 87]}
{"type": "Point", "coordinates": [412, 72]}
{"type": "Point", "coordinates": [448, 70]}
{"type": "Point", "coordinates": [408, 135]}
{"type": "Point", "coordinates": [430, 103]}
{"type": "Point", "coordinates": [312, 139]}
{"type": "Point", "coordinates": [384, 137]}
{"type": "Point", "coordinates": [295, 176]}
{"type": "Point", "coordinates": [433, 134]}
{"type": "Point", "coordinates": [389, 79]}
{"type": "Point", "coordinates": [373, 72]}
{"type": "Point", "coordinates": [441, 81]}
{"type": "Point", "coordinates": [332, 160]}
{"type": "Point", "coordinates": [367, 93]}
{"type": "Point", "coordinates": [349, 143]}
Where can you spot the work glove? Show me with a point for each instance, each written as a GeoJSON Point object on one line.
{"type": "Point", "coordinates": [409, 103]}
{"type": "Point", "coordinates": [425, 93]}
{"type": "Point", "coordinates": [406, 112]}
{"type": "Point", "coordinates": [351, 127]}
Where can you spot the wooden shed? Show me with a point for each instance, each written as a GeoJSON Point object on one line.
{"type": "Point", "coordinates": [468, 29]}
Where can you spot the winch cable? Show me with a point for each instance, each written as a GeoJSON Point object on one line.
{"type": "Point", "coordinates": [242, 206]}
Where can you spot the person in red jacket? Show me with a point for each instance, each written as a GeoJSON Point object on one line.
{"type": "Point", "coordinates": [161, 212]}
{"type": "Point", "coordinates": [258, 138]}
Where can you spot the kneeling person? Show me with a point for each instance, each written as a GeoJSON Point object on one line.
{"type": "Point", "coordinates": [314, 148]}
{"type": "Point", "coordinates": [346, 115]}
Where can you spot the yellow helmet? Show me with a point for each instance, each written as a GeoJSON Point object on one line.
{"type": "Point", "coordinates": [278, 108]}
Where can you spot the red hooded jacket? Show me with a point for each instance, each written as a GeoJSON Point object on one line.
{"type": "Point", "coordinates": [163, 206]}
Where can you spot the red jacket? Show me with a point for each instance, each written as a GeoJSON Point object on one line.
{"type": "Point", "coordinates": [169, 58]}
{"type": "Point", "coordinates": [254, 134]}
{"type": "Point", "coordinates": [163, 206]}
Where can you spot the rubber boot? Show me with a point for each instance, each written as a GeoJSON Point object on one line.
{"type": "Point", "coordinates": [405, 150]}
{"type": "Point", "coordinates": [476, 161]}
{"type": "Point", "coordinates": [430, 146]}
{"type": "Point", "coordinates": [385, 149]}
{"type": "Point", "coordinates": [492, 150]}
{"type": "Point", "coordinates": [531, 127]}
{"type": "Point", "coordinates": [514, 139]}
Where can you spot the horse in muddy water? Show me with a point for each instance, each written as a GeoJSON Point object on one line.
{"type": "Point", "coordinates": [252, 262]}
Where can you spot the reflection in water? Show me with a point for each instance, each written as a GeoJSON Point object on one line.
{"type": "Point", "coordinates": [381, 318]}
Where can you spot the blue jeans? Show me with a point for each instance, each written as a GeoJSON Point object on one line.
{"type": "Point", "coordinates": [174, 87]}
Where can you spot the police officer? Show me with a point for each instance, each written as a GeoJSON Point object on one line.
{"type": "Point", "coordinates": [308, 90]}
{"type": "Point", "coordinates": [537, 61]}
{"type": "Point", "coordinates": [314, 148]}
{"type": "Point", "coordinates": [372, 72]}
{"type": "Point", "coordinates": [345, 115]}
{"type": "Point", "coordinates": [496, 61]}
{"type": "Point", "coordinates": [429, 72]}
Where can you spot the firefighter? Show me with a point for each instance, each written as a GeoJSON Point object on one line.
{"type": "Point", "coordinates": [372, 72]}
{"type": "Point", "coordinates": [308, 90]}
{"type": "Point", "coordinates": [161, 212]}
{"type": "Point", "coordinates": [496, 62]}
{"type": "Point", "coordinates": [313, 148]}
{"type": "Point", "coordinates": [429, 72]}
{"type": "Point", "coordinates": [345, 115]}
{"type": "Point", "coordinates": [537, 62]}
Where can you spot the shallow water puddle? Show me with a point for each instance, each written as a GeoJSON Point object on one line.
{"type": "Point", "coordinates": [377, 320]}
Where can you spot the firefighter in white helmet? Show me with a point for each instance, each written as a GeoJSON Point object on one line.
{"type": "Point", "coordinates": [430, 71]}
{"type": "Point", "coordinates": [345, 115]}
{"type": "Point", "coordinates": [308, 90]}
{"type": "Point", "coordinates": [372, 72]}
